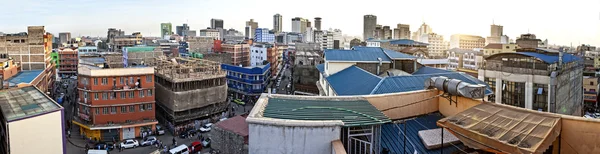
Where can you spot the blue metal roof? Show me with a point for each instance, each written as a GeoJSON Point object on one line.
{"type": "Point", "coordinates": [392, 136]}
{"type": "Point", "coordinates": [417, 82]}
{"type": "Point", "coordinates": [364, 54]}
{"type": "Point", "coordinates": [353, 81]}
{"type": "Point", "coordinates": [397, 55]}
{"type": "Point", "coordinates": [246, 70]}
{"type": "Point", "coordinates": [321, 68]}
{"type": "Point", "coordinates": [550, 59]}
{"type": "Point", "coordinates": [429, 70]}
{"type": "Point", "coordinates": [407, 42]}
{"type": "Point", "coordinates": [24, 77]}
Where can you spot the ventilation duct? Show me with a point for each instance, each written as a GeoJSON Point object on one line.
{"type": "Point", "coordinates": [456, 87]}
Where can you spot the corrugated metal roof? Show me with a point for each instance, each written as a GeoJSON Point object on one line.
{"type": "Point", "coordinates": [393, 136]}
{"type": "Point", "coordinates": [365, 54]}
{"type": "Point", "coordinates": [430, 70]}
{"type": "Point", "coordinates": [139, 49]}
{"type": "Point", "coordinates": [397, 55]}
{"type": "Point", "coordinates": [353, 81]}
{"type": "Point", "coordinates": [407, 42]}
{"type": "Point", "coordinates": [321, 68]}
{"type": "Point", "coordinates": [352, 113]}
{"type": "Point", "coordinates": [550, 59]}
{"type": "Point", "coordinates": [237, 125]}
{"type": "Point", "coordinates": [417, 82]}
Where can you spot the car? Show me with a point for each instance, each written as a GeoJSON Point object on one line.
{"type": "Point", "coordinates": [160, 130]}
{"type": "Point", "coordinates": [130, 143]}
{"type": "Point", "coordinates": [239, 101]}
{"type": "Point", "coordinates": [104, 146]}
{"type": "Point", "coordinates": [187, 133]}
{"type": "Point", "coordinates": [222, 119]}
{"type": "Point", "coordinates": [197, 147]}
{"type": "Point", "coordinates": [206, 143]}
{"type": "Point", "coordinates": [150, 140]}
{"type": "Point", "coordinates": [206, 128]}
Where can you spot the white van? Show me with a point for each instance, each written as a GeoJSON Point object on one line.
{"type": "Point", "coordinates": [182, 149]}
{"type": "Point", "coordinates": [97, 151]}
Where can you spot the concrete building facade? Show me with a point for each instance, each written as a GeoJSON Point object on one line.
{"type": "Point", "coordinates": [299, 25]}
{"type": "Point", "coordinates": [166, 30]}
{"type": "Point", "coordinates": [240, 53]}
{"type": "Point", "coordinates": [437, 45]}
{"type": "Point", "coordinates": [424, 29]}
{"type": "Point", "coordinates": [277, 23]}
{"type": "Point", "coordinates": [545, 80]}
{"type": "Point", "coordinates": [264, 35]}
{"type": "Point", "coordinates": [402, 31]}
{"type": "Point", "coordinates": [214, 33]}
{"type": "Point", "coordinates": [202, 44]}
{"type": "Point", "coordinates": [246, 83]}
{"type": "Point", "coordinates": [253, 26]}
{"type": "Point", "coordinates": [369, 24]}
{"type": "Point", "coordinates": [469, 42]}
{"type": "Point", "coordinates": [493, 48]}
{"type": "Point", "coordinates": [68, 60]}
{"type": "Point", "coordinates": [115, 103]}
{"type": "Point", "coordinates": [317, 23]}
{"type": "Point", "coordinates": [216, 23]}
{"type": "Point", "coordinates": [64, 37]}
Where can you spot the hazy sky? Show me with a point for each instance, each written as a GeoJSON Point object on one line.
{"type": "Point", "coordinates": [561, 22]}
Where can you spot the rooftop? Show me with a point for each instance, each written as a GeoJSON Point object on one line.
{"type": "Point", "coordinates": [187, 69]}
{"type": "Point", "coordinates": [407, 42]}
{"type": "Point", "coordinates": [546, 55]}
{"type": "Point", "coordinates": [350, 112]}
{"type": "Point", "coordinates": [432, 61]}
{"type": "Point", "coordinates": [356, 81]}
{"type": "Point", "coordinates": [21, 103]}
{"type": "Point", "coordinates": [493, 46]}
{"type": "Point", "coordinates": [237, 125]}
{"type": "Point", "coordinates": [24, 77]}
{"type": "Point", "coordinates": [364, 54]}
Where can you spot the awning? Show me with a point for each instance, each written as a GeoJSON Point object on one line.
{"type": "Point", "coordinates": [503, 128]}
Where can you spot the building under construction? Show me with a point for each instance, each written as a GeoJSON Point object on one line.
{"type": "Point", "coordinates": [188, 91]}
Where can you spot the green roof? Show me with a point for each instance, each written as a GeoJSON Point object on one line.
{"type": "Point", "coordinates": [140, 49]}
{"type": "Point", "coordinates": [352, 113]}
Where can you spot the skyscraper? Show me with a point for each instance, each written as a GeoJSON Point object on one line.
{"type": "Point", "coordinates": [402, 31]}
{"type": "Point", "coordinates": [424, 29]}
{"type": "Point", "coordinates": [181, 30]}
{"type": "Point", "coordinates": [166, 29]}
{"type": "Point", "coordinates": [318, 23]}
{"type": "Point", "coordinates": [496, 30]}
{"type": "Point", "coordinates": [216, 23]}
{"type": "Point", "coordinates": [253, 26]}
{"type": "Point", "coordinates": [277, 23]}
{"type": "Point", "coordinates": [299, 25]}
{"type": "Point", "coordinates": [496, 35]}
{"type": "Point", "coordinates": [369, 23]}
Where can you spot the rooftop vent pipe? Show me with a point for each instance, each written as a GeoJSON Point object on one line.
{"type": "Point", "coordinates": [456, 87]}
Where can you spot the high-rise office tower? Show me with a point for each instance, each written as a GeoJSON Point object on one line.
{"type": "Point", "coordinates": [166, 29]}
{"type": "Point", "coordinates": [216, 23]}
{"type": "Point", "coordinates": [277, 23]}
{"type": "Point", "coordinates": [369, 23]}
{"type": "Point", "coordinates": [299, 25]}
{"type": "Point", "coordinates": [318, 23]}
{"type": "Point", "coordinates": [402, 31]}
{"type": "Point", "coordinates": [253, 26]}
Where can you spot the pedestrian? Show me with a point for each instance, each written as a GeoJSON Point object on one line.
{"type": "Point", "coordinates": [174, 142]}
{"type": "Point", "coordinates": [69, 133]}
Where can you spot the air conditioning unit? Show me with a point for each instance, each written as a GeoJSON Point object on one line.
{"type": "Point", "coordinates": [456, 87]}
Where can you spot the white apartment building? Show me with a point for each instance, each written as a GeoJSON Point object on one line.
{"type": "Point", "coordinates": [437, 46]}
{"type": "Point", "coordinates": [258, 54]}
{"type": "Point", "coordinates": [424, 29]}
{"type": "Point", "coordinates": [214, 33]}
{"type": "Point", "coordinates": [464, 59]}
{"type": "Point", "coordinates": [309, 35]}
{"type": "Point", "coordinates": [466, 41]}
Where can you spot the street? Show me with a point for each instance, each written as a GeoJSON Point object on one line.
{"type": "Point", "coordinates": [284, 80]}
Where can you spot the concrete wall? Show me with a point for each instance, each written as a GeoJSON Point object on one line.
{"type": "Point", "coordinates": [181, 101]}
{"type": "Point", "coordinates": [41, 134]}
{"type": "Point", "coordinates": [335, 67]}
{"type": "Point", "coordinates": [387, 101]}
{"type": "Point", "coordinates": [569, 95]}
{"type": "Point", "coordinates": [372, 67]}
{"type": "Point", "coordinates": [227, 142]}
{"type": "Point", "coordinates": [280, 139]}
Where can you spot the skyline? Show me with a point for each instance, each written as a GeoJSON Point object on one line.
{"type": "Point", "coordinates": [579, 23]}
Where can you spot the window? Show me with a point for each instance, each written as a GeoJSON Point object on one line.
{"type": "Point", "coordinates": [142, 107]}
{"type": "Point", "coordinates": [105, 110]}
{"type": "Point", "coordinates": [513, 93]}
{"type": "Point", "coordinates": [97, 111]}
{"type": "Point", "coordinates": [131, 94]}
{"type": "Point", "coordinates": [132, 108]}
{"type": "Point", "coordinates": [149, 92]}
{"type": "Point", "coordinates": [104, 96]}
{"type": "Point", "coordinates": [126, 80]}
{"type": "Point", "coordinates": [85, 95]}
{"type": "Point", "coordinates": [141, 94]}
{"type": "Point", "coordinates": [113, 95]}
{"type": "Point", "coordinates": [95, 81]}
{"type": "Point", "coordinates": [104, 81]}
{"type": "Point", "coordinates": [113, 110]}
{"type": "Point", "coordinates": [149, 107]}
{"type": "Point", "coordinates": [123, 109]}
{"type": "Point", "coordinates": [121, 80]}
{"type": "Point", "coordinates": [540, 97]}
{"type": "Point", "coordinates": [123, 95]}
{"type": "Point", "coordinates": [592, 83]}
{"type": "Point", "coordinates": [148, 78]}
{"type": "Point", "coordinates": [95, 96]}
{"type": "Point", "coordinates": [130, 80]}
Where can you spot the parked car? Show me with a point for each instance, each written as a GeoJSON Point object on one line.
{"type": "Point", "coordinates": [150, 140]}
{"type": "Point", "coordinates": [187, 133]}
{"type": "Point", "coordinates": [206, 142]}
{"type": "Point", "coordinates": [130, 143]}
{"type": "Point", "coordinates": [104, 146]}
{"type": "Point", "coordinates": [160, 130]}
{"type": "Point", "coordinates": [206, 128]}
{"type": "Point", "coordinates": [197, 147]}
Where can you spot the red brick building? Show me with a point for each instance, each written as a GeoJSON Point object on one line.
{"type": "Point", "coordinates": [116, 102]}
{"type": "Point", "coordinates": [67, 62]}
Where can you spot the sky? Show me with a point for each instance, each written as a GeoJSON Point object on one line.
{"type": "Point", "coordinates": [563, 22]}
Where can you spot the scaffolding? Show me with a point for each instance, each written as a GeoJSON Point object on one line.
{"type": "Point", "coordinates": [186, 69]}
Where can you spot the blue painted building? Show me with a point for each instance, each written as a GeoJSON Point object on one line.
{"type": "Point", "coordinates": [245, 82]}
{"type": "Point", "coordinates": [264, 35]}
